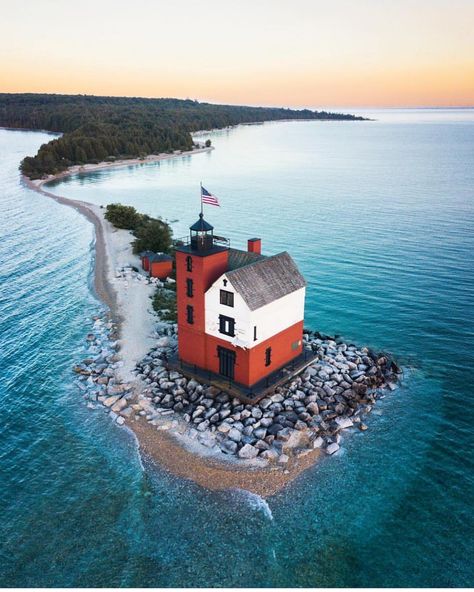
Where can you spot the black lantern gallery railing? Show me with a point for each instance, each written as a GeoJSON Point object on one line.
{"type": "Point", "coordinates": [204, 242]}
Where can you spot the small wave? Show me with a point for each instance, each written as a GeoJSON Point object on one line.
{"type": "Point", "coordinates": [256, 502]}
{"type": "Point", "coordinates": [137, 445]}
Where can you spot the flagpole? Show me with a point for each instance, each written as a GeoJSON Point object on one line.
{"type": "Point", "coordinates": [202, 214]}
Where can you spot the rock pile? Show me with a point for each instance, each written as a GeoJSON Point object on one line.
{"type": "Point", "coordinates": [330, 395]}
{"type": "Point", "coordinates": [97, 374]}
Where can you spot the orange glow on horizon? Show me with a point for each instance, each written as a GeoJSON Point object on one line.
{"type": "Point", "coordinates": [303, 53]}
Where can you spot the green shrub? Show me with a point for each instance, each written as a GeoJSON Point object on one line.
{"type": "Point", "coordinates": [164, 303]}
{"type": "Point", "coordinates": [152, 235]}
{"type": "Point", "coordinates": [121, 216]}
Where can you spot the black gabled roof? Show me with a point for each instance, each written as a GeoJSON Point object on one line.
{"type": "Point", "coordinates": [201, 225]}
{"type": "Point", "coordinates": [160, 257]}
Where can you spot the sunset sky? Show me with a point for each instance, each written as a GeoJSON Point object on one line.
{"type": "Point", "coordinates": [261, 52]}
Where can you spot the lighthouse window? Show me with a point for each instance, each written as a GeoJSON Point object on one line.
{"type": "Point", "coordinates": [189, 263]}
{"type": "Point", "coordinates": [268, 356]}
{"type": "Point", "coordinates": [227, 298]}
{"type": "Point", "coordinates": [189, 287]}
{"type": "Point", "coordinates": [226, 325]}
{"type": "Point", "coordinates": [255, 333]}
{"type": "Point", "coordinates": [190, 314]}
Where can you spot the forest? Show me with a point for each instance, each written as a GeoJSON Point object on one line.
{"type": "Point", "coordinates": [95, 129]}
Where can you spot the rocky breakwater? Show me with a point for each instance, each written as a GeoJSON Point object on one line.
{"type": "Point", "coordinates": [97, 375]}
{"type": "Point", "coordinates": [331, 395]}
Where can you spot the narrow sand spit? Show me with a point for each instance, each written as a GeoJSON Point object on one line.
{"type": "Point", "coordinates": [130, 306]}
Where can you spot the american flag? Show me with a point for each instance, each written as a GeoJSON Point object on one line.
{"type": "Point", "coordinates": [208, 198]}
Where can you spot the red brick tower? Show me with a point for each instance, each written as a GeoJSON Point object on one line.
{"type": "Point", "coordinates": [198, 264]}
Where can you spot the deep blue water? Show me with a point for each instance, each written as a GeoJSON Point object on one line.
{"type": "Point", "coordinates": [380, 217]}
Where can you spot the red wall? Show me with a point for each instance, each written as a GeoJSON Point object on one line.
{"type": "Point", "coordinates": [250, 363]}
{"type": "Point", "coordinates": [146, 264]}
{"type": "Point", "coordinates": [206, 269]}
{"type": "Point", "coordinates": [161, 269]}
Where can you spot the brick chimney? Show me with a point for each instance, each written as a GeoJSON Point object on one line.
{"type": "Point", "coordinates": [254, 245]}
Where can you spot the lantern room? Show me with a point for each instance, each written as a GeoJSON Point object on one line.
{"type": "Point", "coordinates": [201, 235]}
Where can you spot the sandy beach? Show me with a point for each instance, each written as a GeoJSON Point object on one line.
{"type": "Point", "coordinates": [130, 306]}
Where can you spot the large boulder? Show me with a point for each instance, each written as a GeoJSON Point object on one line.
{"type": "Point", "coordinates": [229, 447]}
{"type": "Point", "coordinates": [274, 429]}
{"type": "Point", "coordinates": [235, 435]}
{"type": "Point", "coordinates": [248, 451]}
{"type": "Point", "coordinates": [332, 448]}
{"type": "Point", "coordinates": [109, 401]}
{"type": "Point", "coordinates": [344, 422]}
{"type": "Point", "coordinates": [270, 455]}
{"type": "Point", "coordinates": [297, 440]}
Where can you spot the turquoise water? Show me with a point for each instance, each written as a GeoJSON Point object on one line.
{"type": "Point", "coordinates": [380, 216]}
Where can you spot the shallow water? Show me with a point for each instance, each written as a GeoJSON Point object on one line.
{"type": "Point", "coordinates": [379, 216]}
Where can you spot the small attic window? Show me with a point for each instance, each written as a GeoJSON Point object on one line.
{"type": "Point", "coordinates": [224, 282]}
{"type": "Point", "coordinates": [227, 298]}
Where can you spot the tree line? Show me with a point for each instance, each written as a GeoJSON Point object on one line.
{"type": "Point", "coordinates": [95, 129]}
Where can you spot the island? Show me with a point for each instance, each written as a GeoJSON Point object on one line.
{"type": "Point", "coordinates": [199, 429]}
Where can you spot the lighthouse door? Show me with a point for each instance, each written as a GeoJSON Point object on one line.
{"type": "Point", "coordinates": [226, 362]}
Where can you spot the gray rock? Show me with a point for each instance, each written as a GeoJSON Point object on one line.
{"type": "Point", "coordinates": [235, 435]}
{"type": "Point", "coordinates": [229, 447]}
{"type": "Point", "coordinates": [332, 448]}
{"type": "Point", "coordinates": [247, 431]}
{"type": "Point", "coordinates": [344, 422]}
{"type": "Point", "coordinates": [203, 425]}
{"type": "Point", "coordinates": [274, 429]}
{"type": "Point", "coordinates": [283, 459]}
{"type": "Point", "coordinates": [328, 390]}
{"type": "Point", "coordinates": [265, 403]}
{"type": "Point", "coordinates": [318, 443]}
{"type": "Point", "coordinates": [248, 451]}
{"type": "Point", "coordinates": [300, 425]}
{"type": "Point", "coordinates": [207, 439]}
{"type": "Point", "coordinates": [270, 455]}
{"type": "Point", "coordinates": [210, 412]}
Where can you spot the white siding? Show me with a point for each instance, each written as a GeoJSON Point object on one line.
{"type": "Point", "coordinates": [269, 319]}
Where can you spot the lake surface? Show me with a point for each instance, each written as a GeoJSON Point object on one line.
{"type": "Point", "coordinates": [379, 216]}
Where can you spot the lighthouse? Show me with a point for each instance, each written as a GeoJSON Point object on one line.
{"type": "Point", "coordinates": [240, 313]}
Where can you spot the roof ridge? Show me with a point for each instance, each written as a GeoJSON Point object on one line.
{"type": "Point", "coordinates": [262, 260]}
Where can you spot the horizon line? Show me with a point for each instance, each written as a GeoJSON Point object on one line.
{"type": "Point", "coordinates": [263, 105]}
